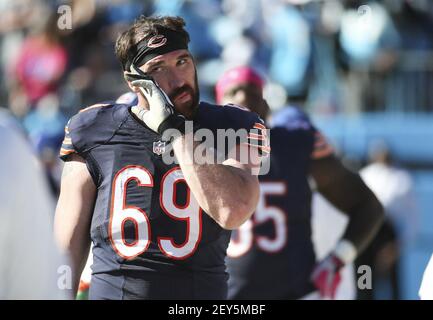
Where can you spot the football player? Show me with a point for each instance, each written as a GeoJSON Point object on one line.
{"type": "Point", "coordinates": [271, 256]}
{"type": "Point", "coordinates": [159, 230]}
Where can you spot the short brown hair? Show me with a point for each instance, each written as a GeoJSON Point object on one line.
{"type": "Point", "coordinates": [144, 28]}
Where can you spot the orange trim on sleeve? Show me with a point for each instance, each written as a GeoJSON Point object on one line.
{"type": "Point", "coordinates": [65, 152]}
{"type": "Point", "coordinates": [259, 126]}
{"type": "Point", "coordinates": [321, 153]}
{"type": "Point", "coordinates": [256, 136]}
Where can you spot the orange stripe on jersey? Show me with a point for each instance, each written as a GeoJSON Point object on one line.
{"type": "Point", "coordinates": [321, 153]}
{"type": "Point", "coordinates": [259, 126]}
{"type": "Point", "coordinates": [65, 152]}
{"type": "Point", "coordinates": [99, 105]}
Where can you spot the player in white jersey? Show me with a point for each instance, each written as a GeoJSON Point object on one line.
{"type": "Point", "coordinates": [29, 259]}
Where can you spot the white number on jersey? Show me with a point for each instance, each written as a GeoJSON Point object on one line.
{"type": "Point", "coordinates": [121, 213]}
{"type": "Point", "coordinates": [246, 237]}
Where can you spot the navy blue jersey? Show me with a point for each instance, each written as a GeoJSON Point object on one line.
{"type": "Point", "coordinates": [151, 239]}
{"type": "Point", "coordinates": [272, 256]}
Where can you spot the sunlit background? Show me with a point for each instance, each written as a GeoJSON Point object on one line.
{"type": "Point", "coordinates": [363, 70]}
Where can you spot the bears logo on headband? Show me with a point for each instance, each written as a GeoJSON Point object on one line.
{"type": "Point", "coordinates": [166, 40]}
{"type": "Point", "coordinates": [156, 41]}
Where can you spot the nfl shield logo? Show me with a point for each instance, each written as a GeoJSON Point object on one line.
{"type": "Point", "coordinates": [159, 147]}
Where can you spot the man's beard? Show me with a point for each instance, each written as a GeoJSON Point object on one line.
{"type": "Point", "coordinates": [188, 109]}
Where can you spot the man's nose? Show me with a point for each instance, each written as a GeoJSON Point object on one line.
{"type": "Point", "coordinates": [176, 79]}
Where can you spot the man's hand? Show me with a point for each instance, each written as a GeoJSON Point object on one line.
{"type": "Point", "coordinates": [326, 276]}
{"type": "Point", "coordinates": [161, 114]}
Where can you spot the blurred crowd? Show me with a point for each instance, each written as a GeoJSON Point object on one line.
{"type": "Point", "coordinates": [329, 57]}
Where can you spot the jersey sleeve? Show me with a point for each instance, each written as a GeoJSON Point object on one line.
{"type": "Point", "coordinates": [128, 98]}
{"type": "Point", "coordinates": [257, 133]}
{"type": "Point", "coordinates": [67, 147]}
{"type": "Point", "coordinates": [84, 131]}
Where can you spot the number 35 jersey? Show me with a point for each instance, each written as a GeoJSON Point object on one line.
{"type": "Point", "coordinates": [145, 218]}
{"type": "Point", "coordinates": [271, 256]}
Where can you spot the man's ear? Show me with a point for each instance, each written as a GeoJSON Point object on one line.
{"type": "Point", "coordinates": [133, 88]}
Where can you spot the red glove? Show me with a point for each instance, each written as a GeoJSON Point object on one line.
{"type": "Point", "coordinates": [326, 276]}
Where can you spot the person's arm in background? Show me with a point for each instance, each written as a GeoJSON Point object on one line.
{"type": "Point", "coordinates": [73, 214]}
{"type": "Point", "coordinates": [347, 192]}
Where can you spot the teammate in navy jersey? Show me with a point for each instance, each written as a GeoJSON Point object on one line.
{"type": "Point", "coordinates": [159, 230]}
{"type": "Point", "coordinates": [271, 256]}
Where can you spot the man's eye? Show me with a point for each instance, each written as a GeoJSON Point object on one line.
{"type": "Point", "coordinates": [156, 69]}
{"type": "Point", "coordinates": [182, 61]}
